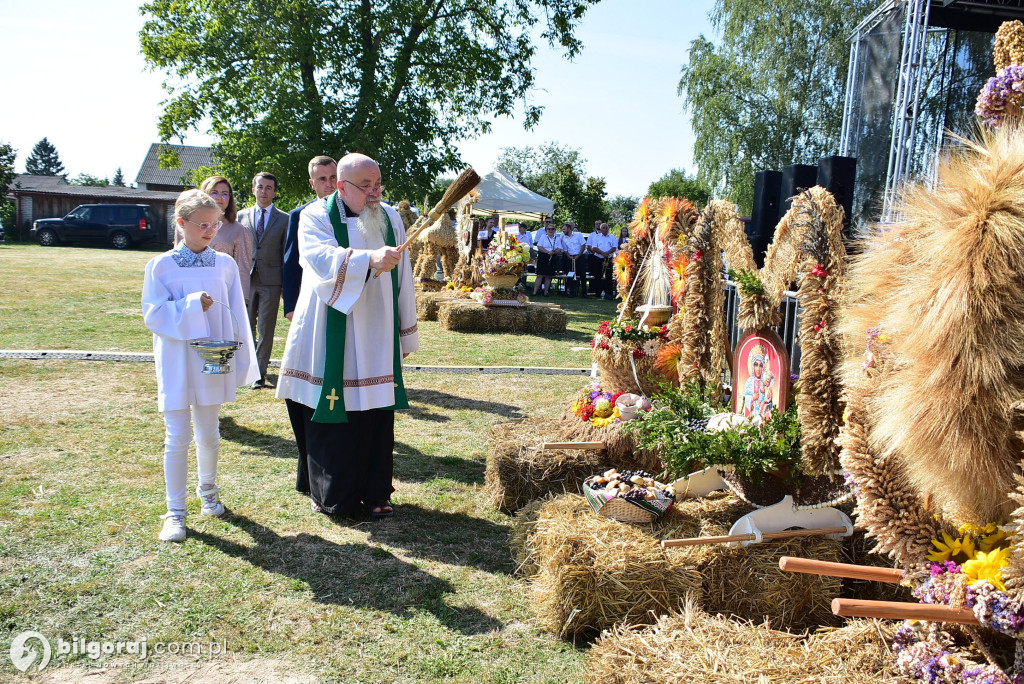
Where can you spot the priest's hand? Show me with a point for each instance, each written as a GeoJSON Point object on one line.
{"type": "Point", "coordinates": [384, 259]}
{"type": "Point", "coordinates": [206, 300]}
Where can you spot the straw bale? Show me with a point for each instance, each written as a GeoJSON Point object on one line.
{"type": "Point", "coordinates": [595, 572]}
{"type": "Point", "coordinates": [568, 547]}
{"type": "Point", "coordinates": [619, 448]}
{"type": "Point", "coordinates": [469, 315]}
{"type": "Point", "coordinates": [858, 551]}
{"type": "Point", "coordinates": [520, 537]}
{"type": "Point", "coordinates": [746, 581]}
{"type": "Point", "coordinates": [426, 306]}
{"type": "Point", "coordinates": [691, 646]}
{"type": "Point", "coordinates": [472, 316]}
{"type": "Point", "coordinates": [519, 471]}
{"type": "Point", "coordinates": [542, 320]}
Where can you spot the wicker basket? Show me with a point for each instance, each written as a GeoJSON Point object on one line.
{"type": "Point", "coordinates": [502, 281]}
{"type": "Point", "coordinates": [622, 510]}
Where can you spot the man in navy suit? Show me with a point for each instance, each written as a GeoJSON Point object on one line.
{"type": "Point", "coordinates": [323, 178]}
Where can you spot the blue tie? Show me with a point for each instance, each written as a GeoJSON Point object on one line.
{"type": "Point", "coordinates": [260, 226]}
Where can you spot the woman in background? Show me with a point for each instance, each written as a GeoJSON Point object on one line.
{"type": "Point", "coordinates": [233, 238]}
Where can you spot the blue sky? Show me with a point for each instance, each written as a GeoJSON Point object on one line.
{"type": "Point", "coordinates": [73, 73]}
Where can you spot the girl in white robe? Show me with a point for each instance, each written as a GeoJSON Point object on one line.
{"type": "Point", "coordinates": [192, 292]}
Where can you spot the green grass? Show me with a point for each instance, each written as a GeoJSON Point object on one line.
{"type": "Point", "coordinates": [429, 595]}
{"type": "Point", "coordinates": [89, 298]}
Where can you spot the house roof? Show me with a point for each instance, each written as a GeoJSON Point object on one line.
{"type": "Point", "coordinates": [26, 184]}
{"type": "Point", "coordinates": [191, 157]}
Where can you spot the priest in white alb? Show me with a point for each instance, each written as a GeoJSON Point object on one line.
{"type": "Point", "coordinates": [348, 337]}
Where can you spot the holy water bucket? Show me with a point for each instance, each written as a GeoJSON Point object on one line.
{"type": "Point", "coordinates": [217, 354]}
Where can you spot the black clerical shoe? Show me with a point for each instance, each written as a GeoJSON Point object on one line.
{"type": "Point", "coordinates": [258, 384]}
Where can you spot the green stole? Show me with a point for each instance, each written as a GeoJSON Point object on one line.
{"type": "Point", "coordinates": [331, 407]}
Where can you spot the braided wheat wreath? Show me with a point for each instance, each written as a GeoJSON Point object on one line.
{"type": "Point", "coordinates": [808, 247]}
{"type": "Point", "coordinates": [934, 330]}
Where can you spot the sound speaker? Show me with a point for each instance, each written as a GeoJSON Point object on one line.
{"type": "Point", "coordinates": [765, 214]}
{"type": "Point", "coordinates": [795, 179]}
{"type": "Point", "coordinates": [837, 175]}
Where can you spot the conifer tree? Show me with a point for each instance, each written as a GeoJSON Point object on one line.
{"type": "Point", "coordinates": [44, 160]}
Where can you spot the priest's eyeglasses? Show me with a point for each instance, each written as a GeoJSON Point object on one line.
{"type": "Point", "coordinates": [367, 190]}
{"type": "Point", "coordinates": [206, 226]}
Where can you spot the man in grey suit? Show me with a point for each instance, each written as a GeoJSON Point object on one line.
{"type": "Point", "coordinates": [269, 227]}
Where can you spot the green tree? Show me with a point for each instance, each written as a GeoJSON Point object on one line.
{"type": "Point", "coordinates": [118, 178]}
{"type": "Point", "coordinates": [619, 210]}
{"type": "Point", "coordinates": [400, 80]}
{"type": "Point", "coordinates": [676, 183]}
{"type": "Point", "coordinates": [44, 160]}
{"type": "Point", "coordinates": [8, 212]}
{"type": "Point", "coordinates": [558, 173]}
{"type": "Point", "coordinates": [89, 179]}
{"type": "Point", "coordinates": [769, 92]}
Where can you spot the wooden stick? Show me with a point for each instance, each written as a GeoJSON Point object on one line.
{"type": "Point", "coordinates": [861, 572]}
{"type": "Point", "coordinates": [459, 188]}
{"type": "Point", "coordinates": [785, 534]}
{"type": "Point", "coordinates": [895, 610]}
{"type": "Point", "coordinates": [548, 446]}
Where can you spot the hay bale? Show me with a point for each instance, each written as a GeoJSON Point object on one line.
{"type": "Point", "coordinates": [691, 646]}
{"type": "Point", "coordinates": [594, 573]}
{"type": "Point", "coordinates": [745, 581]}
{"type": "Point", "coordinates": [574, 552]}
{"type": "Point", "coordinates": [426, 306]}
{"type": "Point", "coordinates": [519, 537]}
{"type": "Point", "coordinates": [470, 316]}
{"type": "Point", "coordinates": [619, 449]}
{"type": "Point", "coordinates": [544, 320]}
{"type": "Point", "coordinates": [858, 550]}
{"type": "Point", "coordinates": [519, 471]}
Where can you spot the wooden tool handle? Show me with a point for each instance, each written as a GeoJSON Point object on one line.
{"type": "Point", "coordinates": [861, 572]}
{"type": "Point", "coordinates": [895, 610]}
{"type": "Point", "coordinates": [785, 534]}
{"type": "Point", "coordinates": [460, 187]}
{"type": "Point", "coordinates": [548, 446]}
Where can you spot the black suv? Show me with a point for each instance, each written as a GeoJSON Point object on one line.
{"type": "Point", "coordinates": [122, 225]}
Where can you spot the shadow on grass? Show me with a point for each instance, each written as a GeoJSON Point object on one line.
{"type": "Point", "coordinates": [412, 465]}
{"type": "Point", "coordinates": [453, 538]}
{"type": "Point", "coordinates": [351, 574]}
{"type": "Point", "coordinates": [453, 402]}
{"type": "Point", "coordinates": [263, 442]}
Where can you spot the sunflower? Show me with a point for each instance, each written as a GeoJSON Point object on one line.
{"type": "Point", "coordinates": [988, 567]}
{"type": "Point", "coordinates": [956, 550]}
{"type": "Point", "coordinates": [623, 268]}
{"type": "Point", "coordinates": [667, 362]}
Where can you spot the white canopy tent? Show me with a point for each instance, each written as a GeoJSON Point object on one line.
{"type": "Point", "coordinates": [501, 194]}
